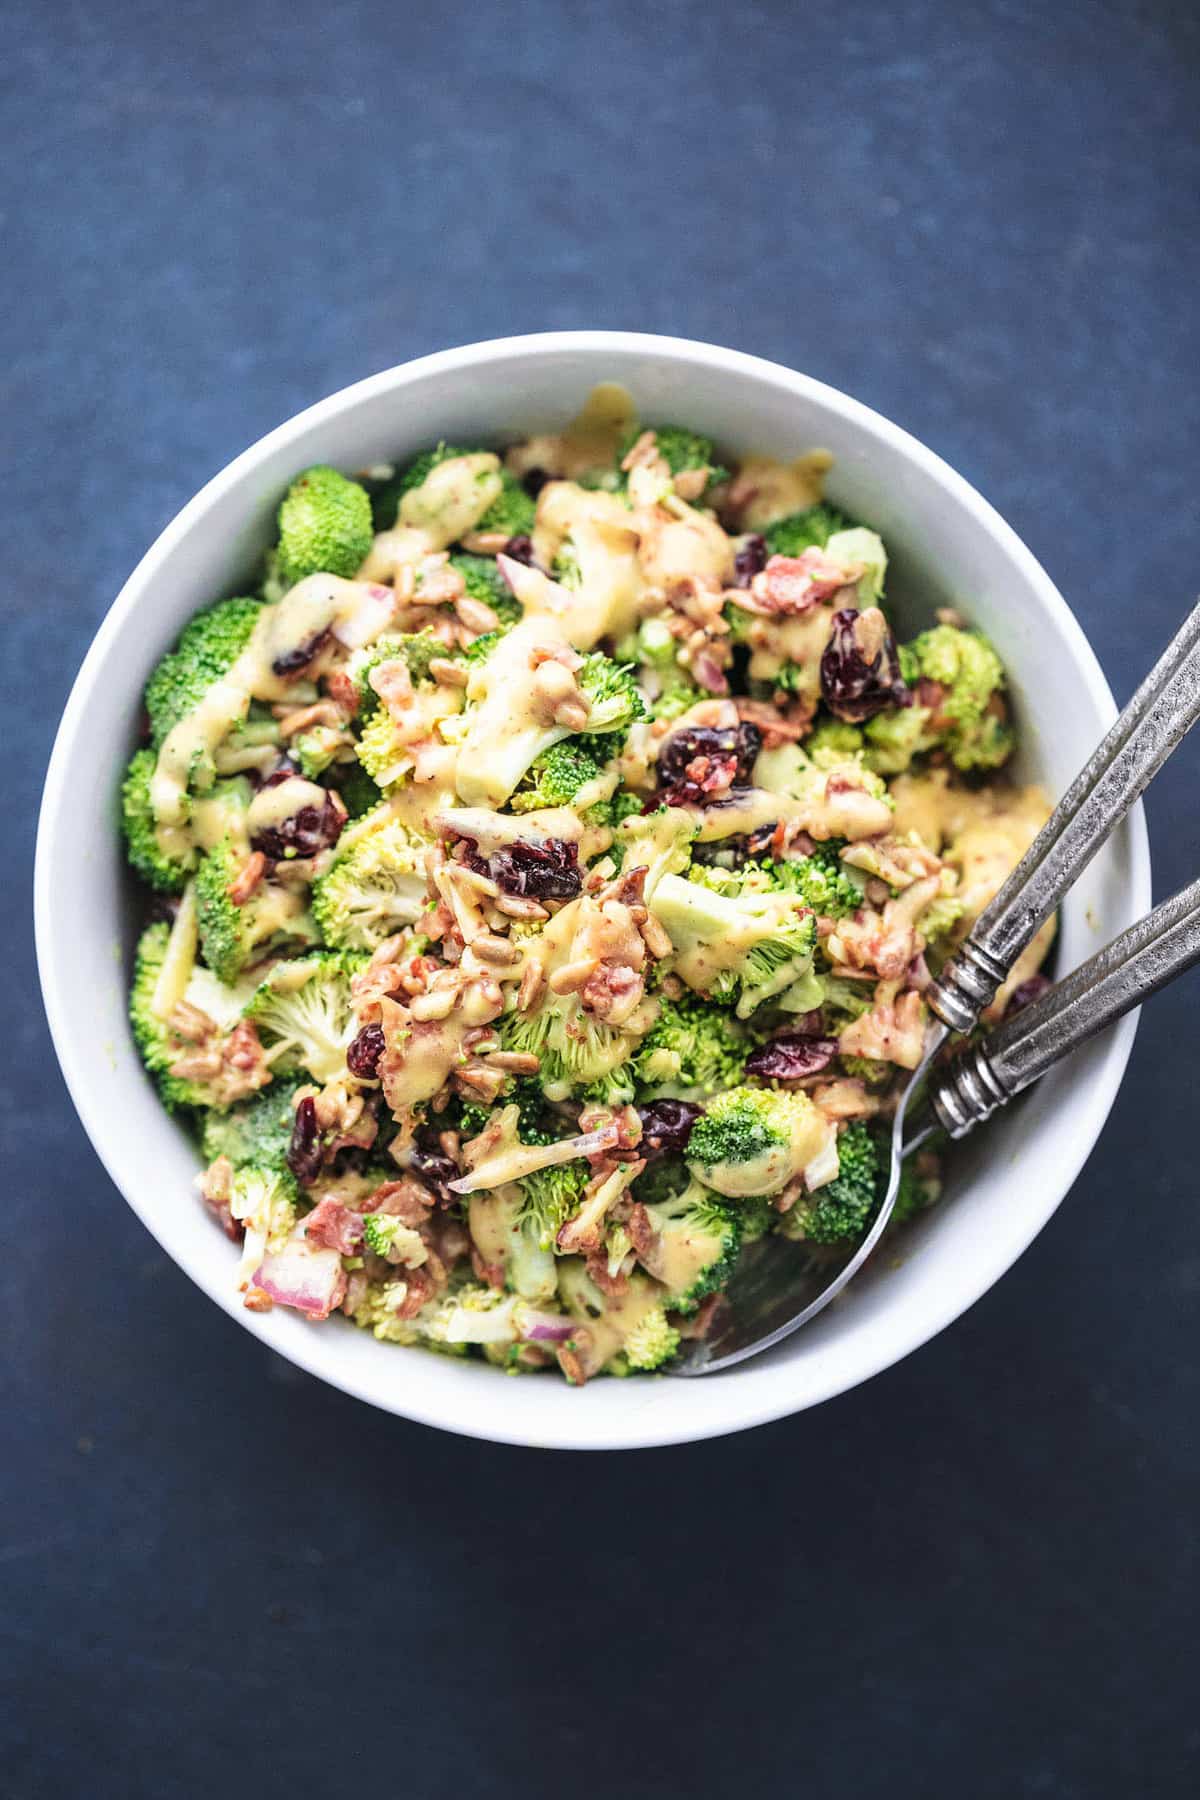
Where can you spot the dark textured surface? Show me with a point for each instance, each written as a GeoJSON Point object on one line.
{"type": "Point", "coordinates": [973, 1577]}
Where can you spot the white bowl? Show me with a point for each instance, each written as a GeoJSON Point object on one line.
{"type": "Point", "coordinates": [947, 545]}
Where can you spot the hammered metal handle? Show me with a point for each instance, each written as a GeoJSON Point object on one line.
{"type": "Point", "coordinates": [1163, 710]}
{"type": "Point", "coordinates": [1135, 965]}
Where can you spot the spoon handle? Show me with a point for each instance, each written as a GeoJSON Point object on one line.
{"type": "Point", "coordinates": [1163, 710]}
{"type": "Point", "coordinates": [1135, 965]}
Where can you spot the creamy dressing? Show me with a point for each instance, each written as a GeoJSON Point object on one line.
{"type": "Point", "coordinates": [180, 958]}
{"type": "Point", "coordinates": [766, 490]}
{"type": "Point", "coordinates": [796, 638]}
{"type": "Point", "coordinates": [452, 498]}
{"type": "Point", "coordinates": [273, 806]}
{"type": "Point", "coordinates": [315, 605]}
{"type": "Point", "coordinates": [507, 716]}
{"type": "Point", "coordinates": [589, 444]}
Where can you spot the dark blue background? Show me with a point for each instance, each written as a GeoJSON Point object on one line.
{"type": "Point", "coordinates": [974, 1576]}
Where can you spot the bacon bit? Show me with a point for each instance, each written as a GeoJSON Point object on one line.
{"type": "Point", "coordinates": [420, 1285]}
{"type": "Point", "coordinates": [794, 584]}
{"type": "Point", "coordinates": [596, 1264]}
{"type": "Point", "coordinates": [612, 992]}
{"type": "Point", "coordinates": [252, 873]}
{"type": "Point", "coordinates": [408, 1200]}
{"type": "Point", "coordinates": [393, 683]}
{"type": "Point", "coordinates": [334, 1227]}
{"type": "Point", "coordinates": [776, 727]}
{"type": "Point", "coordinates": [256, 1301]}
{"type": "Point", "coordinates": [243, 1048]}
{"type": "Point", "coordinates": [343, 692]}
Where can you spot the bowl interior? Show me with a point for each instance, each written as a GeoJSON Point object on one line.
{"type": "Point", "coordinates": [946, 547]}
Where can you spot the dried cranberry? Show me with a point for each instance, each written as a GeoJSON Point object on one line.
{"type": "Point", "coordinates": [429, 1162]}
{"type": "Point", "coordinates": [546, 871]}
{"type": "Point", "coordinates": [860, 669]}
{"type": "Point", "coordinates": [534, 480]}
{"type": "Point", "coordinates": [666, 1127]}
{"type": "Point", "coordinates": [309, 830]}
{"type": "Point", "coordinates": [1026, 994]}
{"type": "Point", "coordinates": [520, 549]}
{"type": "Point", "coordinates": [305, 1153]}
{"type": "Point", "coordinates": [750, 559]}
{"type": "Point", "coordinates": [362, 1058]}
{"type": "Point", "coordinates": [791, 1056]}
{"type": "Point", "coordinates": [699, 763]}
{"type": "Point", "coordinates": [290, 662]}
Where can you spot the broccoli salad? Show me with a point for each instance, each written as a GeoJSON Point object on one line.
{"type": "Point", "coordinates": [547, 859]}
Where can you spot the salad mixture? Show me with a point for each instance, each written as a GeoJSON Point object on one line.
{"type": "Point", "coordinates": [548, 859]}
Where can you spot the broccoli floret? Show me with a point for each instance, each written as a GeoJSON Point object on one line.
{"type": "Point", "coordinates": [836, 739]}
{"type": "Point", "coordinates": [375, 886]}
{"type": "Point", "coordinates": [841, 1210]}
{"type": "Point", "coordinates": [841, 997]}
{"type": "Point", "coordinates": [513, 513]}
{"type": "Point", "coordinates": [575, 1050]}
{"type": "Point", "coordinates": [264, 1201]}
{"type": "Point", "coordinates": [417, 472]}
{"type": "Point", "coordinates": [146, 858]}
{"type": "Point", "coordinates": [970, 721]}
{"type": "Point", "coordinates": [615, 810]}
{"type": "Point", "coordinates": [820, 881]}
{"type": "Point", "coordinates": [810, 529]}
{"type": "Point", "coordinates": [359, 794]}
{"type": "Point", "coordinates": [416, 649]}
{"type": "Point", "coordinates": [304, 1015]}
{"type": "Point", "coordinates": [549, 1197]}
{"type": "Point", "coordinates": [207, 650]}
{"type": "Point", "coordinates": [691, 1051]}
{"type": "Point", "coordinates": [380, 753]}
{"type": "Point", "coordinates": [257, 1131]}
{"type": "Point", "coordinates": [160, 1048]}
{"type": "Point", "coordinates": [325, 526]}
{"type": "Point", "coordinates": [652, 1342]}
{"type": "Point", "coordinates": [498, 747]}
{"type": "Point", "coordinates": [559, 773]}
{"type": "Point", "coordinates": [637, 1315]}
{"type": "Point", "coordinates": [698, 1238]}
{"type": "Point", "coordinates": [680, 450]}
{"type": "Point", "coordinates": [755, 1140]}
{"type": "Point", "coordinates": [655, 650]}
{"type": "Point", "coordinates": [748, 949]}
{"type": "Point", "coordinates": [231, 936]}
{"type": "Point", "coordinates": [486, 584]}
{"type": "Point", "coordinates": [384, 1233]}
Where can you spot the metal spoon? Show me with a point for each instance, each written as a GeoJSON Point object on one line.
{"type": "Point", "coordinates": [777, 1287]}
